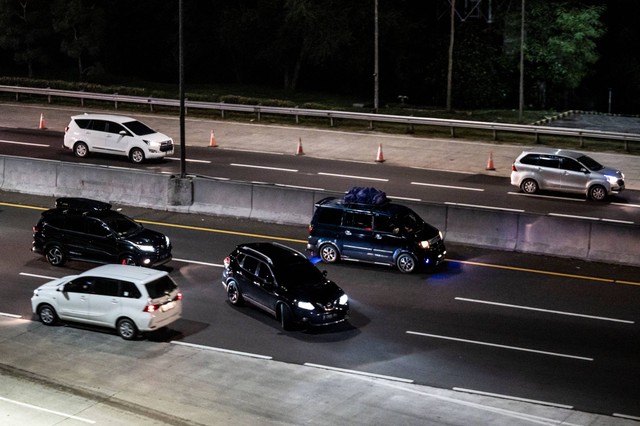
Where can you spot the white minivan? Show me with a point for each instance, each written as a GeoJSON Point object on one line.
{"type": "Point", "coordinates": [115, 134]}
{"type": "Point", "coordinates": [131, 299]}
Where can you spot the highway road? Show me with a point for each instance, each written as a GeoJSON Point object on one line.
{"type": "Point", "coordinates": [557, 331]}
{"type": "Point", "coordinates": [409, 183]}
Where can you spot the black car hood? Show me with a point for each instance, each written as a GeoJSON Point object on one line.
{"type": "Point", "coordinates": [322, 293]}
{"type": "Point", "coordinates": [147, 237]}
{"type": "Point", "coordinates": [426, 232]}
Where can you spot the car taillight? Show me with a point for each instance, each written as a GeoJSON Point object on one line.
{"type": "Point", "coordinates": [310, 228]}
{"type": "Point", "coordinates": [35, 229]}
{"type": "Point", "coordinates": [227, 261]}
{"type": "Point", "coordinates": [66, 129]}
{"type": "Point", "coordinates": [179, 296]}
{"type": "Point", "coordinates": [513, 167]}
{"type": "Point", "coordinates": [151, 308]}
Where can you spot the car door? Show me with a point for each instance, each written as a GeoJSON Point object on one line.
{"type": "Point", "coordinates": [104, 302]}
{"type": "Point", "coordinates": [100, 242]}
{"type": "Point", "coordinates": [357, 236]}
{"type": "Point", "coordinates": [95, 135]}
{"type": "Point", "coordinates": [265, 288]}
{"type": "Point", "coordinates": [74, 301]}
{"type": "Point", "coordinates": [387, 238]}
{"type": "Point", "coordinates": [575, 176]}
{"type": "Point", "coordinates": [549, 172]}
{"type": "Point", "coordinates": [117, 138]}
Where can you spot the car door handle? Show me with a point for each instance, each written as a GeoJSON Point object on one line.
{"type": "Point", "coordinates": [347, 232]}
{"type": "Point", "coordinates": [378, 237]}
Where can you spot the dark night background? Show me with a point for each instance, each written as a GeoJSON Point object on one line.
{"type": "Point", "coordinates": [326, 46]}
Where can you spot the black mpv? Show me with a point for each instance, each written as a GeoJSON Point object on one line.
{"type": "Point", "coordinates": [88, 230]}
{"type": "Point", "coordinates": [284, 283]}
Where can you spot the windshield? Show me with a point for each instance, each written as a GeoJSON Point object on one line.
{"type": "Point", "coordinates": [161, 287]}
{"type": "Point", "coordinates": [139, 128]}
{"type": "Point", "coordinates": [590, 163]}
{"type": "Point", "coordinates": [299, 274]}
{"type": "Point", "coordinates": [122, 225]}
{"type": "Point", "coordinates": [411, 222]}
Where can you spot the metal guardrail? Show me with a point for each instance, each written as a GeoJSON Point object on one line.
{"type": "Point", "coordinates": [258, 110]}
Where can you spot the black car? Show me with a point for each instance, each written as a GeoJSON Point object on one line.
{"type": "Point", "coordinates": [88, 230]}
{"type": "Point", "coordinates": [284, 283]}
{"type": "Point", "coordinates": [365, 226]}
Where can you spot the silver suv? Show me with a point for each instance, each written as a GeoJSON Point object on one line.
{"type": "Point", "coordinates": [567, 171]}
{"type": "Point", "coordinates": [115, 134]}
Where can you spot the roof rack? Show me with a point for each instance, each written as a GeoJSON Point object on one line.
{"type": "Point", "coordinates": [84, 204]}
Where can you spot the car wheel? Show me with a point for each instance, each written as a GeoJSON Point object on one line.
{"type": "Point", "coordinates": [529, 186]}
{"type": "Point", "coordinates": [284, 312]}
{"type": "Point", "coordinates": [80, 149]}
{"type": "Point", "coordinates": [406, 263]}
{"type": "Point", "coordinates": [127, 329]}
{"type": "Point", "coordinates": [47, 315]}
{"type": "Point", "coordinates": [328, 253]}
{"type": "Point", "coordinates": [233, 294]}
{"type": "Point", "coordinates": [136, 155]}
{"type": "Point", "coordinates": [597, 193]}
{"type": "Point", "coordinates": [55, 256]}
{"type": "Point", "coordinates": [128, 260]}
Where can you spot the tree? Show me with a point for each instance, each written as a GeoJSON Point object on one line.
{"type": "Point", "coordinates": [82, 25]}
{"type": "Point", "coordinates": [561, 44]}
{"type": "Point", "coordinates": [25, 27]}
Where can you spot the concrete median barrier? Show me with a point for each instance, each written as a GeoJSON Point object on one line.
{"type": "Point", "coordinates": [498, 229]}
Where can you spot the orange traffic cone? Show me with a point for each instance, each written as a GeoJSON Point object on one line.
{"type": "Point", "coordinates": [42, 125]}
{"type": "Point", "coordinates": [299, 151]}
{"type": "Point", "coordinates": [490, 165]}
{"type": "Point", "coordinates": [212, 140]}
{"type": "Point", "coordinates": [379, 157]}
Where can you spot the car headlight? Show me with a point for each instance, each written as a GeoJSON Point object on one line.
{"type": "Point", "coordinates": [148, 249]}
{"type": "Point", "coordinates": [343, 299]}
{"type": "Point", "coordinates": [306, 305]}
{"type": "Point", "coordinates": [167, 241]}
{"type": "Point", "coordinates": [613, 180]}
{"type": "Point", "coordinates": [424, 244]}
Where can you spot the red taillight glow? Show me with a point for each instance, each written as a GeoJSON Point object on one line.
{"type": "Point", "coordinates": [513, 167]}
{"type": "Point", "coordinates": [179, 296]}
{"type": "Point", "coordinates": [35, 229]}
{"type": "Point", "coordinates": [151, 308]}
{"type": "Point", "coordinates": [66, 129]}
{"type": "Point", "coordinates": [310, 228]}
{"type": "Point", "coordinates": [227, 262]}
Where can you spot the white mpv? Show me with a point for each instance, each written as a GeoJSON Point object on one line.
{"type": "Point", "coordinates": [131, 299]}
{"type": "Point", "coordinates": [115, 134]}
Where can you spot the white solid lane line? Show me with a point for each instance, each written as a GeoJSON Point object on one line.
{"type": "Point", "coordinates": [253, 166]}
{"type": "Point", "coordinates": [24, 143]}
{"type": "Point", "coordinates": [495, 345]}
{"type": "Point", "coordinates": [353, 177]}
{"type": "Point", "coordinates": [46, 410]}
{"type": "Point", "coordinates": [550, 311]}
{"type": "Point", "coordinates": [484, 207]}
{"type": "Point", "coordinates": [433, 185]}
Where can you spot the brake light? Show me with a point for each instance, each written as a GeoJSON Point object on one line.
{"type": "Point", "coordinates": [66, 129]}
{"type": "Point", "coordinates": [227, 261]}
{"type": "Point", "coordinates": [310, 227]}
{"type": "Point", "coordinates": [151, 308]}
{"type": "Point", "coordinates": [35, 229]}
{"type": "Point", "coordinates": [513, 167]}
{"type": "Point", "coordinates": [179, 296]}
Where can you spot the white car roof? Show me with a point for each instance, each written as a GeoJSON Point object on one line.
{"type": "Point", "coordinates": [125, 272]}
{"type": "Point", "coordinates": [116, 118]}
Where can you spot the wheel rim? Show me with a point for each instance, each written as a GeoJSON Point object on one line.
{"type": "Point", "coordinates": [137, 156]}
{"type": "Point", "coordinates": [46, 315]}
{"type": "Point", "coordinates": [598, 193]}
{"type": "Point", "coordinates": [54, 256]}
{"type": "Point", "coordinates": [529, 187]}
{"type": "Point", "coordinates": [233, 294]}
{"type": "Point", "coordinates": [126, 329]}
{"type": "Point", "coordinates": [328, 254]}
{"type": "Point", "coordinates": [81, 150]}
{"type": "Point", "coordinates": [128, 261]}
{"type": "Point", "coordinates": [406, 263]}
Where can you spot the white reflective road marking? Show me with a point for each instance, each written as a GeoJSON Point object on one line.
{"type": "Point", "coordinates": [463, 188]}
{"type": "Point", "coordinates": [46, 410]}
{"type": "Point", "coordinates": [253, 166]}
{"type": "Point", "coordinates": [353, 177]}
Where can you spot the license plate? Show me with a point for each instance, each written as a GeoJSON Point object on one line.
{"type": "Point", "coordinates": [167, 306]}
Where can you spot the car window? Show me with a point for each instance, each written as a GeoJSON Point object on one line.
{"type": "Point", "coordinates": [298, 274]}
{"type": "Point", "coordinates": [250, 264]}
{"type": "Point", "coordinates": [329, 216]}
{"type": "Point", "coordinates": [80, 285]}
{"type": "Point", "coordinates": [264, 273]}
{"type": "Point", "coordinates": [98, 125]}
{"type": "Point", "coordinates": [531, 159]}
{"type": "Point", "coordinates": [384, 224]}
{"type": "Point", "coordinates": [82, 123]}
{"type": "Point", "coordinates": [358, 220]}
{"type": "Point", "coordinates": [106, 287]}
{"type": "Point", "coordinates": [139, 128]}
{"type": "Point", "coordinates": [96, 227]}
{"type": "Point", "coordinates": [549, 161]}
{"type": "Point", "coordinates": [160, 287]}
{"type": "Point", "coordinates": [129, 289]}
{"type": "Point", "coordinates": [122, 225]}
{"type": "Point", "coordinates": [590, 163]}
{"type": "Point", "coordinates": [570, 164]}
{"type": "Point", "coordinates": [75, 224]}
{"type": "Point", "coordinates": [115, 128]}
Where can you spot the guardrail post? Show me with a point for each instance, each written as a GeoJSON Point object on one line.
{"type": "Point", "coordinates": [330, 121]}
{"type": "Point", "coordinates": [371, 125]}
{"type": "Point", "coordinates": [495, 134]}
{"type": "Point", "coordinates": [537, 137]}
{"type": "Point", "coordinates": [115, 100]}
{"type": "Point", "coordinates": [581, 140]}
{"type": "Point", "coordinates": [297, 117]}
{"type": "Point", "coordinates": [150, 100]}
{"type": "Point", "coordinates": [49, 94]}
{"type": "Point", "coordinates": [453, 132]}
{"type": "Point", "coordinates": [626, 144]}
{"type": "Point", "coordinates": [257, 111]}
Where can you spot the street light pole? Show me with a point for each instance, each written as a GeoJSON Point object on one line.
{"type": "Point", "coordinates": [183, 161]}
{"type": "Point", "coordinates": [376, 90]}
{"type": "Point", "coordinates": [521, 103]}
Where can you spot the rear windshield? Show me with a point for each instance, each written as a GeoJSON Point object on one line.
{"type": "Point", "coordinates": [139, 128]}
{"type": "Point", "coordinates": [160, 287]}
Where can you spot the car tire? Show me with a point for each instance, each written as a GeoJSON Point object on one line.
{"type": "Point", "coordinates": [136, 155]}
{"type": "Point", "coordinates": [55, 255]}
{"type": "Point", "coordinates": [597, 193]}
{"type": "Point", "coordinates": [329, 253]}
{"type": "Point", "coordinates": [529, 186]}
{"type": "Point", "coordinates": [233, 294]}
{"type": "Point", "coordinates": [80, 149]}
{"type": "Point", "coordinates": [285, 317]}
{"type": "Point", "coordinates": [128, 260]}
{"type": "Point", "coordinates": [127, 329]}
{"type": "Point", "coordinates": [47, 314]}
{"type": "Point", "coordinates": [406, 263]}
